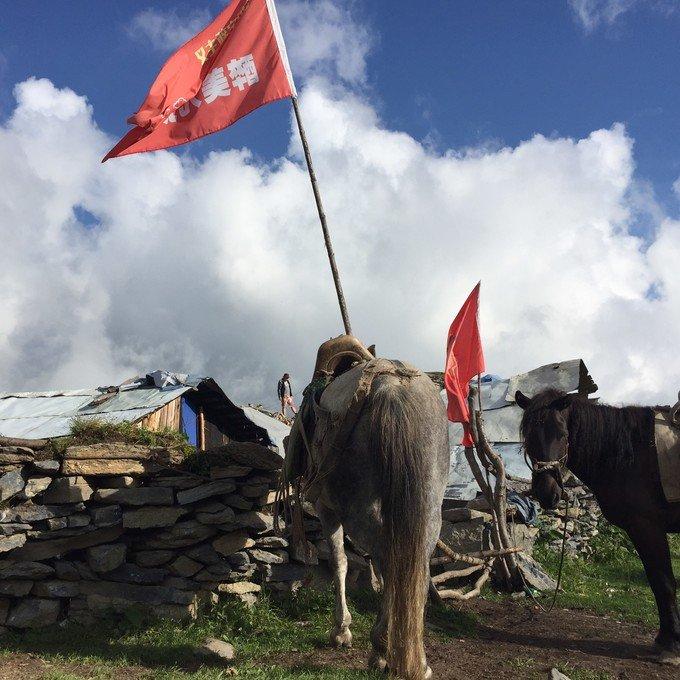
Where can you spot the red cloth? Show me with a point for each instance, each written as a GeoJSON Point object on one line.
{"type": "Point", "coordinates": [235, 65]}
{"type": "Point", "coordinates": [464, 360]}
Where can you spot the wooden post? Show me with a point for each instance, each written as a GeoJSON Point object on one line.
{"type": "Point", "coordinates": [496, 496]}
{"type": "Point", "coordinates": [201, 429]}
{"type": "Point", "coordinates": [322, 219]}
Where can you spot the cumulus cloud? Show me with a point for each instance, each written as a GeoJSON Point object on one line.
{"type": "Point", "coordinates": [595, 13]}
{"type": "Point", "coordinates": [216, 266]}
{"type": "Point", "coordinates": [323, 38]}
{"type": "Point", "coordinates": [167, 29]}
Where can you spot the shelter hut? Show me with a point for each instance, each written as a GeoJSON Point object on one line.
{"type": "Point", "coordinates": [502, 418]}
{"type": "Point", "coordinates": [195, 405]}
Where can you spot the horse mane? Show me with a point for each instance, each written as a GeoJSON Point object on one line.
{"type": "Point", "coordinates": [602, 438]}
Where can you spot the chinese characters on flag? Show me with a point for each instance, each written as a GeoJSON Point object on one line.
{"type": "Point", "coordinates": [234, 66]}
{"type": "Point", "coordinates": [464, 360]}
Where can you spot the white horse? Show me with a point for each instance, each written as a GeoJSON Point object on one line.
{"type": "Point", "coordinates": [381, 452]}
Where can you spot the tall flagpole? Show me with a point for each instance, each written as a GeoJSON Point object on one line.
{"type": "Point", "coordinates": [322, 219]}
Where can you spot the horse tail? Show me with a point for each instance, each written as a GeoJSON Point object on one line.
{"type": "Point", "coordinates": [404, 493]}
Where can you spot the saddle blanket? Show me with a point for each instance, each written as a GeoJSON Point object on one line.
{"type": "Point", "coordinates": [667, 439]}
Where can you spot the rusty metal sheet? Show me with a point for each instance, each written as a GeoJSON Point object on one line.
{"type": "Point", "coordinates": [568, 376]}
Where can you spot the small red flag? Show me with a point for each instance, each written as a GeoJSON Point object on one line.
{"type": "Point", "coordinates": [232, 67]}
{"type": "Point", "coordinates": [464, 360]}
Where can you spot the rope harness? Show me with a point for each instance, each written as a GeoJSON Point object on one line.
{"type": "Point", "coordinates": [538, 467]}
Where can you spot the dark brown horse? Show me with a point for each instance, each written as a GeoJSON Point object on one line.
{"type": "Point", "coordinates": [612, 450]}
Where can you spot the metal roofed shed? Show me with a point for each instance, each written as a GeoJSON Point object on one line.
{"type": "Point", "coordinates": [502, 418]}
{"type": "Point", "coordinates": [195, 405]}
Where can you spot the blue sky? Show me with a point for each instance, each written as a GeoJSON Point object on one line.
{"type": "Point", "coordinates": [531, 144]}
{"type": "Point", "coordinates": [458, 74]}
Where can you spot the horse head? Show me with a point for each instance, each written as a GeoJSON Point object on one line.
{"type": "Point", "coordinates": [546, 442]}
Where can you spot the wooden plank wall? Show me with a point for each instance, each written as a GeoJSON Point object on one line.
{"type": "Point", "coordinates": [168, 416]}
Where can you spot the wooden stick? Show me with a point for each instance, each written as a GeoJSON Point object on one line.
{"type": "Point", "coordinates": [322, 219]}
{"type": "Point", "coordinates": [460, 594]}
{"type": "Point", "coordinates": [480, 554]}
{"type": "Point", "coordinates": [500, 493]}
{"type": "Point", "coordinates": [201, 429]}
{"type": "Point", "coordinates": [488, 493]}
{"type": "Point", "coordinates": [456, 573]}
{"type": "Point", "coordinates": [457, 557]}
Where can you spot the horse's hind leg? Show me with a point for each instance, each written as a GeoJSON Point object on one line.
{"type": "Point", "coordinates": [651, 543]}
{"type": "Point", "coordinates": [341, 635]}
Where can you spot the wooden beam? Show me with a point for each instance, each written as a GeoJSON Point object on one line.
{"type": "Point", "coordinates": [200, 435]}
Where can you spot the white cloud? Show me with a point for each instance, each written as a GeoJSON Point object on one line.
{"type": "Point", "coordinates": [167, 29]}
{"type": "Point", "coordinates": [323, 38]}
{"type": "Point", "coordinates": [595, 13]}
{"type": "Point", "coordinates": [216, 266]}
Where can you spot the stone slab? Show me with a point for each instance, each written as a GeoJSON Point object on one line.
{"type": "Point", "coordinates": [107, 557]}
{"type": "Point", "coordinates": [137, 593]}
{"type": "Point", "coordinates": [56, 589]}
{"type": "Point", "coordinates": [143, 495]}
{"type": "Point", "coordinates": [100, 467]}
{"type": "Point", "coordinates": [247, 453]}
{"type": "Point", "coordinates": [110, 451]}
{"type": "Point", "coordinates": [68, 490]}
{"type": "Point", "coordinates": [147, 518]}
{"type": "Point", "coordinates": [45, 549]}
{"type": "Point", "coordinates": [11, 483]}
{"type": "Point", "coordinates": [233, 542]}
{"type": "Point", "coordinates": [153, 558]}
{"type": "Point", "coordinates": [36, 485]}
{"type": "Point", "coordinates": [198, 493]}
{"type": "Point", "coordinates": [29, 512]}
{"type": "Point", "coordinates": [24, 570]}
{"type": "Point", "coordinates": [9, 543]}
{"type": "Point", "coordinates": [34, 612]}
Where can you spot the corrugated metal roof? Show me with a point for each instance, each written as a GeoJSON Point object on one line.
{"type": "Point", "coordinates": [275, 428]}
{"type": "Point", "coordinates": [41, 415]}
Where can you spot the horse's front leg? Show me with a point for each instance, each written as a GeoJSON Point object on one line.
{"type": "Point", "coordinates": [341, 635]}
{"type": "Point", "coordinates": [651, 542]}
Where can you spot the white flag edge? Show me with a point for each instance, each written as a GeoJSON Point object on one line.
{"type": "Point", "coordinates": [276, 26]}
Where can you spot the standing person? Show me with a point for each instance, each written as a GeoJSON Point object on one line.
{"type": "Point", "coordinates": [285, 392]}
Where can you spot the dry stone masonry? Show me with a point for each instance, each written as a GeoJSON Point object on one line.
{"type": "Point", "coordinates": [112, 526]}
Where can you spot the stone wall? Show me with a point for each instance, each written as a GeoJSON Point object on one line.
{"type": "Point", "coordinates": [113, 526]}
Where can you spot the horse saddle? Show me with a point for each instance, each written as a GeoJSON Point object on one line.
{"type": "Point", "coordinates": [667, 440]}
{"type": "Point", "coordinates": [334, 357]}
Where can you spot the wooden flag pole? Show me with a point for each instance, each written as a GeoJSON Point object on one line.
{"type": "Point", "coordinates": [322, 219]}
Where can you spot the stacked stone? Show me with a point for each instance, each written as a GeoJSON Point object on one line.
{"type": "Point", "coordinates": [111, 526]}
{"type": "Point", "coordinates": [310, 562]}
{"type": "Point", "coordinates": [583, 515]}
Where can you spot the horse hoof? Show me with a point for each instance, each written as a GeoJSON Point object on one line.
{"type": "Point", "coordinates": [665, 656]}
{"type": "Point", "coordinates": [428, 673]}
{"type": "Point", "coordinates": [342, 638]}
{"type": "Point", "coordinates": [377, 663]}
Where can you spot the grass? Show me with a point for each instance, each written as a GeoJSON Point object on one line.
{"type": "Point", "coordinates": [99, 431]}
{"type": "Point", "coordinates": [164, 649]}
{"type": "Point", "coordinates": [611, 581]}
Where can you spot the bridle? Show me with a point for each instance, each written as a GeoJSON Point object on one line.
{"type": "Point", "coordinates": [559, 465]}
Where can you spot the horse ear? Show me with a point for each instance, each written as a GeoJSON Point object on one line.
{"type": "Point", "coordinates": [522, 400]}
{"type": "Point", "coordinates": [371, 349]}
{"type": "Point", "coordinates": [561, 402]}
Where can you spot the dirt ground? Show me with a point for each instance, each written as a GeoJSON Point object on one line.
{"type": "Point", "coordinates": [512, 641]}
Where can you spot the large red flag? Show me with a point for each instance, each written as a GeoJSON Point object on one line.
{"type": "Point", "coordinates": [464, 360]}
{"type": "Point", "coordinates": [235, 65]}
